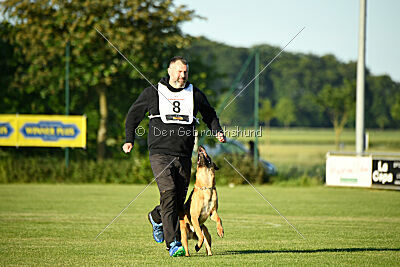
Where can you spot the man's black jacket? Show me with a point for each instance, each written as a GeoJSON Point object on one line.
{"type": "Point", "coordinates": [171, 139]}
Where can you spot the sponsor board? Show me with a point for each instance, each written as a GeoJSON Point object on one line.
{"type": "Point", "coordinates": [386, 172]}
{"type": "Point", "coordinates": [43, 130]}
{"type": "Point", "coordinates": [8, 130]}
{"type": "Point", "coordinates": [5, 130]}
{"type": "Point", "coordinates": [348, 171]}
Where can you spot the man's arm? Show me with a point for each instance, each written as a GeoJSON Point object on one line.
{"type": "Point", "coordinates": [135, 115]}
{"type": "Point", "coordinates": [210, 116]}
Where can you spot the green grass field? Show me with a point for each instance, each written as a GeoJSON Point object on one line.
{"type": "Point", "coordinates": [57, 224]}
{"type": "Point", "coordinates": [308, 146]}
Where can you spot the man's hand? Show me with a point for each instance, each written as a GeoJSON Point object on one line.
{"type": "Point", "coordinates": [221, 137]}
{"type": "Point", "coordinates": [127, 147]}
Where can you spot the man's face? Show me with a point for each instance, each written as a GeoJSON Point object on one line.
{"type": "Point", "coordinates": [178, 74]}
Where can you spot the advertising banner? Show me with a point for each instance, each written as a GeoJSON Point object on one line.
{"type": "Point", "coordinates": [8, 133]}
{"type": "Point", "coordinates": [43, 130]}
{"type": "Point", "coordinates": [348, 171]}
{"type": "Point", "coordinates": [386, 172]}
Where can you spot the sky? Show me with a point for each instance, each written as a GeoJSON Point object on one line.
{"type": "Point", "coordinates": [331, 27]}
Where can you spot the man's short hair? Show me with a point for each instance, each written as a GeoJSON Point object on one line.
{"type": "Point", "coordinates": [178, 58]}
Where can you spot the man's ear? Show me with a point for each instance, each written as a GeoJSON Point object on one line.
{"type": "Point", "coordinates": [215, 167]}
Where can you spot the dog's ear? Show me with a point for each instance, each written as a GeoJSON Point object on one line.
{"type": "Point", "coordinates": [215, 167]}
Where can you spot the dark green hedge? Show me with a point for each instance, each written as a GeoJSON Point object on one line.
{"type": "Point", "coordinates": [53, 170]}
{"type": "Point", "coordinates": [15, 168]}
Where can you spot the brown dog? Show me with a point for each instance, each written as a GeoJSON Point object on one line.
{"type": "Point", "coordinates": [201, 204]}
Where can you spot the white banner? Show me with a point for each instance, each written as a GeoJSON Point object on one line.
{"type": "Point", "coordinates": [349, 171]}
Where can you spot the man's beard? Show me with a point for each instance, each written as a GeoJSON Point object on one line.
{"type": "Point", "coordinates": [178, 84]}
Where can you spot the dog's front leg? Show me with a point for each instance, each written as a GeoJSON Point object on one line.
{"type": "Point", "coordinates": [217, 219]}
{"type": "Point", "coordinates": [197, 229]}
{"type": "Point", "coordinates": [184, 236]}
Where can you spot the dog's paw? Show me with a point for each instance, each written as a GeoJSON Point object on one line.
{"type": "Point", "coordinates": [220, 232]}
{"type": "Point", "coordinates": [197, 248]}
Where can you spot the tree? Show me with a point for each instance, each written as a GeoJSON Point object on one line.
{"type": "Point", "coordinates": [395, 110]}
{"type": "Point", "coordinates": [8, 65]}
{"type": "Point", "coordinates": [146, 31]}
{"type": "Point", "coordinates": [266, 112]}
{"type": "Point", "coordinates": [285, 111]}
{"type": "Point", "coordinates": [381, 91]}
{"type": "Point", "coordinates": [338, 102]}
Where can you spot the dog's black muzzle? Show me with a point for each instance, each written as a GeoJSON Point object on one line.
{"type": "Point", "coordinates": [203, 160]}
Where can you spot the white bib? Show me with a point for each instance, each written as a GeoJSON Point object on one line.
{"type": "Point", "coordinates": [175, 107]}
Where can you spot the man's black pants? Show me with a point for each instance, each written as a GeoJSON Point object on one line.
{"type": "Point", "coordinates": [173, 184]}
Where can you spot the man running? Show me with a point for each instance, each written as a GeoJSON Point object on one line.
{"type": "Point", "coordinates": [172, 111]}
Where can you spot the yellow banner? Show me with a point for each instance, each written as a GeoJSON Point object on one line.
{"type": "Point", "coordinates": [43, 130]}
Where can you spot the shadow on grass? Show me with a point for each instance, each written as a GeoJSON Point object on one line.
{"type": "Point", "coordinates": [251, 251]}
